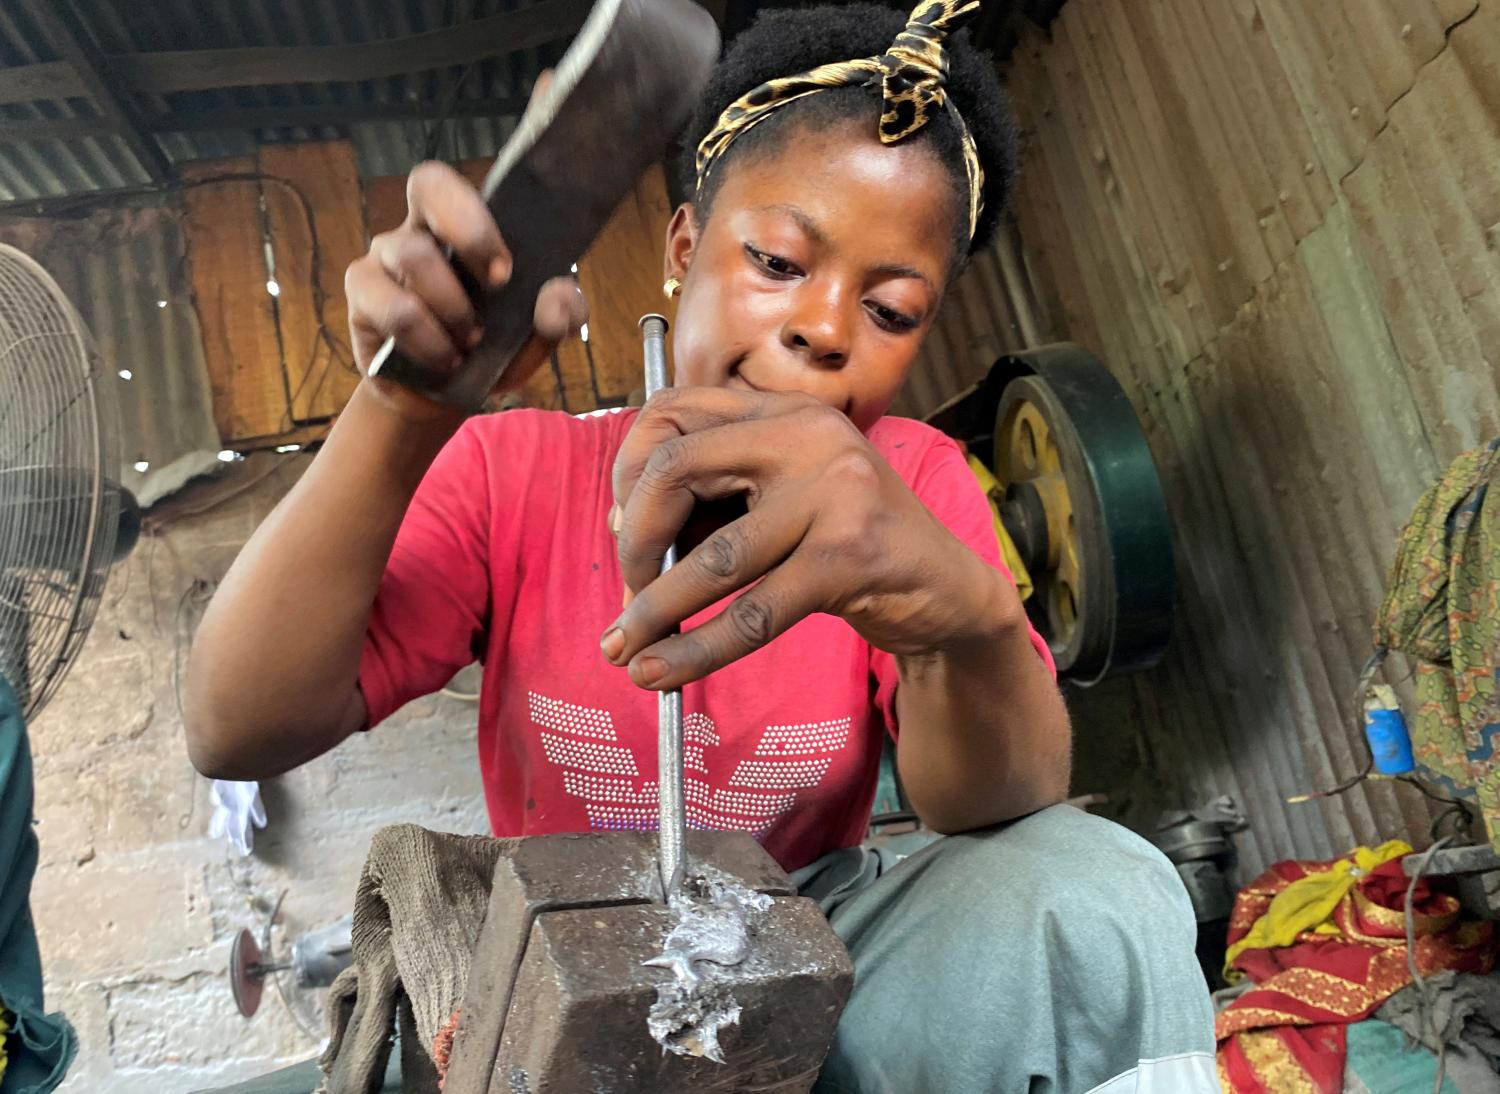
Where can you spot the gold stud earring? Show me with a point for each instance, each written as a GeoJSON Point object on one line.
{"type": "Point", "coordinates": [671, 287]}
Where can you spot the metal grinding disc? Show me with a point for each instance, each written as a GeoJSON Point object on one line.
{"type": "Point", "coordinates": [246, 980]}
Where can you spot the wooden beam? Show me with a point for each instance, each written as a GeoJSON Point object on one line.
{"type": "Point", "coordinates": [168, 71]}
{"type": "Point", "coordinates": [302, 115]}
{"type": "Point", "coordinates": [70, 38]}
{"type": "Point", "coordinates": [316, 114]}
{"type": "Point", "coordinates": [54, 129]}
{"type": "Point", "coordinates": [45, 80]}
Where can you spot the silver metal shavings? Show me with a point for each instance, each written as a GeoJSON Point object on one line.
{"type": "Point", "coordinates": [715, 919]}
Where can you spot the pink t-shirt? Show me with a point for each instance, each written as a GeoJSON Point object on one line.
{"type": "Point", "coordinates": [506, 557]}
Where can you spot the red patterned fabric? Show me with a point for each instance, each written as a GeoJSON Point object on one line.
{"type": "Point", "coordinates": [1286, 1034]}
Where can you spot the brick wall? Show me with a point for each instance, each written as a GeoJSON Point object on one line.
{"type": "Point", "coordinates": [135, 906]}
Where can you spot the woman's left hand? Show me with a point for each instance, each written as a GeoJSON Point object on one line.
{"type": "Point", "coordinates": [830, 527]}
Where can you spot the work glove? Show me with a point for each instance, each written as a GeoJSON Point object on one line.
{"type": "Point", "coordinates": [237, 806]}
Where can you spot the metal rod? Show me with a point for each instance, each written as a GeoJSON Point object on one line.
{"type": "Point", "coordinates": [673, 821]}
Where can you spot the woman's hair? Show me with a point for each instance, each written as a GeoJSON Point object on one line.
{"type": "Point", "coordinates": [787, 41]}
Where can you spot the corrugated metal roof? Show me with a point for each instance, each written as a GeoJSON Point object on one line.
{"type": "Point", "coordinates": [45, 168]}
{"type": "Point", "coordinates": [1276, 225]}
{"type": "Point", "coordinates": [485, 97]}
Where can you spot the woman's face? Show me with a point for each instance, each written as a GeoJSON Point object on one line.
{"type": "Point", "coordinates": [819, 271]}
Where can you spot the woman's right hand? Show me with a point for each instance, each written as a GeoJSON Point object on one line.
{"type": "Point", "coordinates": [404, 287]}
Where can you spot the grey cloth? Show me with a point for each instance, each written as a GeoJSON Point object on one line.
{"type": "Point", "coordinates": [1463, 1014]}
{"type": "Point", "coordinates": [1045, 956]}
{"type": "Point", "coordinates": [418, 910]}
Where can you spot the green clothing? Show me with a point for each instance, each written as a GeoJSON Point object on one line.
{"type": "Point", "coordinates": [1050, 955]}
{"type": "Point", "coordinates": [1440, 608]}
{"type": "Point", "coordinates": [38, 1046]}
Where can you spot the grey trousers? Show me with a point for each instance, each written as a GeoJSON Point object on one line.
{"type": "Point", "coordinates": [1050, 955]}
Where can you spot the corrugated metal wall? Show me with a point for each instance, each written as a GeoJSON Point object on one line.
{"type": "Point", "coordinates": [1277, 222]}
{"type": "Point", "coordinates": [125, 269]}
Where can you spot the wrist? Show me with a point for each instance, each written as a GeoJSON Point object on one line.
{"type": "Point", "coordinates": [411, 409]}
{"type": "Point", "coordinates": [390, 430]}
{"type": "Point", "coordinates": [993, 619]}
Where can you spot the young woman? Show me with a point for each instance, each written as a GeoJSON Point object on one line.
{"type": "Point", "coordinates": [847, 162]}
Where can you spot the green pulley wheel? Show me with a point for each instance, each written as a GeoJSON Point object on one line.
{"type": "Point", "coordinates": [1084, 506]}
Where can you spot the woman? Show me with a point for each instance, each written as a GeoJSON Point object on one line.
{"type": "Point", "coordinates": [846, 164]}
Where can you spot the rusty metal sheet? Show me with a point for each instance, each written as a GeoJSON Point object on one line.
{"type": "Point", "coordinates": [1300, 382]}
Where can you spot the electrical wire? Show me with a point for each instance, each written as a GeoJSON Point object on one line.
{"type": "Point", "coordinates": [340, 352]}
{"type": "Point", "coordinates": [1366, 676]}
{"type": "Point", "coordinates": [1424, 998]}
{"type": "Point", "coordinates": [275, 974]}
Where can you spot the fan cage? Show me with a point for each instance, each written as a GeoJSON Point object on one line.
{"type": "Point", "coordinates": [59, 494]}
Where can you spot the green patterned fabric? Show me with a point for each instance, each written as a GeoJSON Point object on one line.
{"type": "Point", "coordinates": [1442, 607]}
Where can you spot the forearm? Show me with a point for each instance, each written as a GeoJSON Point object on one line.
{"type": "Point", "coordinates": [984, 732]}
{"type": "Point", "coordinates": [273, 675]}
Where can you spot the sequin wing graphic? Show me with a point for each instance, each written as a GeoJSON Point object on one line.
{"type": "Point", "coordinates": [786, 761]}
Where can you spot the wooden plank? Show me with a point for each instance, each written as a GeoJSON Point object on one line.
{"type": "Point", "coordinates": [541, 389]}
{"type": "Point", "coordinates": [309, 115]}
{"type": "Point", "coordinates": [385, 204]}
{"type": "Point", "coordinates": [621, 275]}
{"type": "Point", "coordinates": [47, 80]}
{"type": "Point", "coordinates": [302, 435]}
{"type": "Point", "coordinates": [223, 225]}
{"type": "Point", "coordinates": [319, 362]}
{"type": "Point", "coordinates": [54, 129]}
{"type": "Point", "coordinates": [577, 377]}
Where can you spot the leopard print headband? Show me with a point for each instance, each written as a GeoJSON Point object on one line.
{"type": "Point", "coordinates": [911, 75]}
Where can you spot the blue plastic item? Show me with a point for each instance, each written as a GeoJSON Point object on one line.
{"type": "Point", "coordinates": [1390, 743]}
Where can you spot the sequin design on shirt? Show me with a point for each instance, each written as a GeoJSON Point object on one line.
{"type": "Point", "coordinates": [786, 761]}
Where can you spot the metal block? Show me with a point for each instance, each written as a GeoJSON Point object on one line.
{"type": "Point", "coordinates": [1471, 859]}
{"type": "Point", "coordinates": [1476, 872]}
{"type": "Point", "coordinates": [559, 992]}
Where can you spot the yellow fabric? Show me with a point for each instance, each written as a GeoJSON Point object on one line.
{"type": "Point", "coordinates": [1008, 552]}
{"type": "Point", "coordinates": [912, 75]}
{"type": "Point", "coordinates": [1307, 904]}
{"type": "Point", "coordinates": [4, 1028]}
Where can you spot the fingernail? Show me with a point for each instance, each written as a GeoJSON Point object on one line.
{"type": "Point", "coordinates": [476, 336]}
{"type": "Point", "coordinates": [457, 362]}
{"type": "Point", "coordinates": [652, 670]}
{"type": "Point", "coordinates": [499, 271]}
{"type": "Point", "coordinates": [615, 518]}
{"type": "Point", "coordinates": [613, 643]}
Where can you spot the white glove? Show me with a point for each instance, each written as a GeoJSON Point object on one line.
{"type": "Point", "coordinates": [236, 806]}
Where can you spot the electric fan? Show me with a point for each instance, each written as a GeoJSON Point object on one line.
{"type": "Point", "coordinates": [64, 517]}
